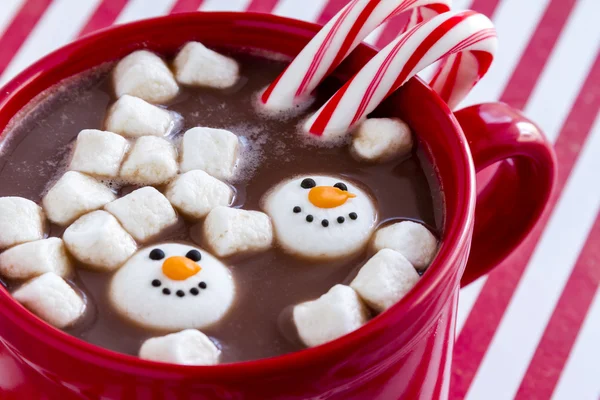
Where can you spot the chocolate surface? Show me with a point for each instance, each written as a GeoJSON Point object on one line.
{"type": "Point", "coordinates": [267, 282]}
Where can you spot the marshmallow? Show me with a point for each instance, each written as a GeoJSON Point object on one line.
{"type": "Point", "coordinates": [199, 66]}
{"type": "Point", "coordinates": [188, 347]}
{"type": "Point", "coordinates": [98, 241]}
{"type": "Point", "coordinates": [231, 230]}
{"type": "Point", "coordinates": [214, 151]}
{"type": "Point", "coordinates": [152, 161]}
{"type": "Point", "coordinates": [98, 153]}
{"type": "Point", "coordinates": [144, 75]}
{"type": "Point", "coordinates": [410, 239]}
{"type": "Point", "coordinates": [306, 224]}
{"type": "Point", "coordinates": [21, 221]}
{"type": "Point", "coordinates": [385, 279]}
{"type": "Point", "coordinates": [52, 299]}
{"type": "Point", "coordinates": [195, 193]}
{"type": "Point", "coordinates": [333, 315]}
{"type": "Point", "coordinates": [73, 195]}
{"type": "Point", "coordinates": [144, 213]}
{"type": "Point", "coordinates": [172, 286]}
{"type": "Point", "coordinates": [381, 139]}
{"type": "Point", "coordinates": [133, 117]}
{"type": "Point", "coordinates": [31, 259]}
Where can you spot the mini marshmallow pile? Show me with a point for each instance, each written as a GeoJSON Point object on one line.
{"type": "Point", "coordinates": [403, 250]}
{"type": "Point", "coordinates": [102, 231]}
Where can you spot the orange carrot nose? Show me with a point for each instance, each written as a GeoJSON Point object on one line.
{"type": "Point", "coordinates": [179, 268]}
{"type": "Point", "coordinates": [328, 196]}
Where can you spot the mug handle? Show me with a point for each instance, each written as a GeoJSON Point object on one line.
{"type": "Point", "coordinates": [516, 194]}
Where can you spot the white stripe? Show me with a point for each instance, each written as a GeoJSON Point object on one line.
{"type": "Point", "coordinates": [579, 379]}
{"type": "Point", "coordinates": [9, 9]}
{"type": "Point", "coordinates": [572, 57]}
{"type": "Point", "coordinates": [466, 300]}
{"type": "Point", "coordinates": [515, 22]}
{"type": "Point", "coordinates": [535, 298]}
{"type": "Point", "coordinates": [306, 10]}
{"type": "Point", "coordinates": [141, 9]}
{"type": "Point", "coordinates": [61, 22]}
{"type": "Point", "coordinates": [220, 5]}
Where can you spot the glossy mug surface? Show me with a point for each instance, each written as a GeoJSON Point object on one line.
{"type": "Point", "coordinates": [404, 353]}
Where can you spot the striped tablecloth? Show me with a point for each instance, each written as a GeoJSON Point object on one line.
{"type": "Point", "coordinates": [531, 329]}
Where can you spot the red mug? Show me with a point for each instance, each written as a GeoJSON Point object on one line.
{"type": "Point", "coordinates": [405, 352]}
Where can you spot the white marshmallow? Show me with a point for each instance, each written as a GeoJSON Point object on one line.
{"type": "Point", "coordinates": [229, 231]}
{"type": "Point", "coordinates": [21, 220]}
{"type": "Point", "coordinates": [98, 240]}
{"type": "Point", "coordinates": [133, 117]}
{"type": "Point", "coordinates": [144, 213]}
{"type": "Point", "coordinates": [385, 279]}
{"type": "Point", "coordinates": [410, 239]}
{"type": "Point", "coordinates": [333, 315]}
{"type": "Point", "coordinates": [214, 151]}
{"type": "Point", "coordinates": [313, 239]}
{"type": "Point", "coordinates": [52, 299]}
{"type": "Point", "coordinates": [188, 347]}
{"type": "Point", "coordinates": [381, 139]}
{"type": "Point", "coordinates": [145, 75]}
{"type": "Point", "coordinates": [98, 153]}
{"type": "Point", "coordinates": [73, 195]}
{"type": "Point", "coordinates": [197, 299]}
{"type": "Point", "coordinates": [31, 259]}
{"type": "Point", "coordinates": [195, 193]}
{"type": "Point", "coordinates": [197, 65]}
{"type": "Point", "coordinates": [151, 161]}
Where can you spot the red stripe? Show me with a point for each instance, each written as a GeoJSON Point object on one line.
{"type": "Point", "coordinates": [105, 15]}
{"type": "Point", "coordinates": [392, 29]}
{"type": "Point", "coordinates": [264, 6]}
{"type": "Point", "coordinates": [316, 61]}
{"type": "Point", "coordinates": [331, 8]}
{"type": "Point", "coordinates": [564, 325]}
{"type": "Point", "coordinates": [487, 7]}
{"type": "Point", "coordinates": [186, 6]}
{"type": "Point", "coordinates": [19, 29]}
{"type": "Point", "coordinates": [488, 310]}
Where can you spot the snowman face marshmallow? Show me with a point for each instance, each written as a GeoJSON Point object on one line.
{"type": "Point", "coordinates": [320, 216]}
{"type": "Point", "coordinates": [172, 286]}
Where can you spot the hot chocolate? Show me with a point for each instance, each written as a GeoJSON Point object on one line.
{"type": "Point", "coordinates": [318, 209]}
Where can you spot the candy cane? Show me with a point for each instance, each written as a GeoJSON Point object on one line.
{"type": "Point", "coordinates": [467, 35]}
{"type": "Point", "coordinates": [335, 41]}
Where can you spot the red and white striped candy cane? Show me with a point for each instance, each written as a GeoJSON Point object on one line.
{"type": "Point", "coordinates": [467, 35]}
{"type": "Point", "coordinates": [335, 41]}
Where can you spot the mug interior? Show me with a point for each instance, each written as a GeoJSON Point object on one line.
{"type": "Point", "coordinates": [439, 133]}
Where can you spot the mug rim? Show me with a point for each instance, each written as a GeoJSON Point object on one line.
{"type": "Point", "coordinates": [454, 236]}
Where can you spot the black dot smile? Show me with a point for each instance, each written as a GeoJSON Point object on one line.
{"type": "Point", "coordinates": [180, 293]}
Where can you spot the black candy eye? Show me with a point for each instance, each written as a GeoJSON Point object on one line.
{"type": "Point", "coordinates": [341, 186]}
{"type": "Point", "coordinates": [308, 183]}
{"type": "Point", "coordinates": [157, 254]}
{"type": "Point", "coordinates": [194, 255]}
